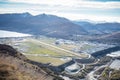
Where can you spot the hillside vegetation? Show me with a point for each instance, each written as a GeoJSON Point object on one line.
{"type": "Point", "coordinates": [15, 66]}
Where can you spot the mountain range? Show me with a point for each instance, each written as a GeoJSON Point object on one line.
{"type": "Point", "coordinates": [54, 26]}
{"type": "Point", "coordinates": [43, 24]}
{"type": "Point", "coordinates": [99, 28]}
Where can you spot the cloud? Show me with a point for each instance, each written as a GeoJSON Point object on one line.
{"type": "Point", "coordinates": [71, 9]}
{"type": "Point", "coordinates": [88, 17]}
{"type": "Point", "coordinates": [73, 3]}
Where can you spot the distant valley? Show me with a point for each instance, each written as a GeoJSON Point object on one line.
{"type": "Point", "coordinates": [59, 27]}
{"type": "Point", "coordinates": [55, 48]}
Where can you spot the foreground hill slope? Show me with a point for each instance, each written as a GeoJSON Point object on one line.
{"type": "Point", "coordinates": [15, 66]}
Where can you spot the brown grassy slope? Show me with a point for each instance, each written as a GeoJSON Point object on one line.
{"type": "Point", "coordinates": [14, 66]}
{"type": "Point", "coordinates": [10, 72]}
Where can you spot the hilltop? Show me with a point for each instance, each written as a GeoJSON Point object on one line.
{"type": "Point", "coordinates": [15, 66]}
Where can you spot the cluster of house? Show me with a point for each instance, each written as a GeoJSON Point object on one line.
{"type": "Point", "coordinates": [63, 41]}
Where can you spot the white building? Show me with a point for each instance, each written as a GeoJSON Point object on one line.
{"type": "Point", "coordinates": [73, 69]}
{"type": "Point", "coordinates": [114, 54]}
{"type": "Point", "coordinates": [115, 64]}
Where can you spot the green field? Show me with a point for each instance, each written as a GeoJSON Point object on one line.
{"type": "Point", "coordinates": [47, 40]}
{"type": "Point", "coordinates": [86, 46]}
{"type": "Point", "coordinates": [38, 48]}
{"type": "Point", "coordinates": [53, 61]}
{"type": "Point", "coordinates": [34, 48]}
{"type": "Point", "coordinates": [54, 53]}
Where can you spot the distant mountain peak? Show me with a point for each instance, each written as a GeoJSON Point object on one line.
{"type": "Point", "coordinates": [26, 14]}
{"type": "Point", "coordinates": [45, 15]}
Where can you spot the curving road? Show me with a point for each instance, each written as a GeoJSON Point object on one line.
{"type": "Point", "coordinates": [90, 76]}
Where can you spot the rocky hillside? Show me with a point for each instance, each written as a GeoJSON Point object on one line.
{"type": "Point", "coordinates": [15, 66]}
{"type": "Point", "coordinates": [113, 38]}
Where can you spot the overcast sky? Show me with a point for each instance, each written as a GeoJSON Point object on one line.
{"type": "Point", "coordinates": [96, 10]}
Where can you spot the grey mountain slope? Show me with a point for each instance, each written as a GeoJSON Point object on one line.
{"type": "Point", "coordinates": [99, 28]}
{"type": "Point", "coordinates": [49, 25]}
